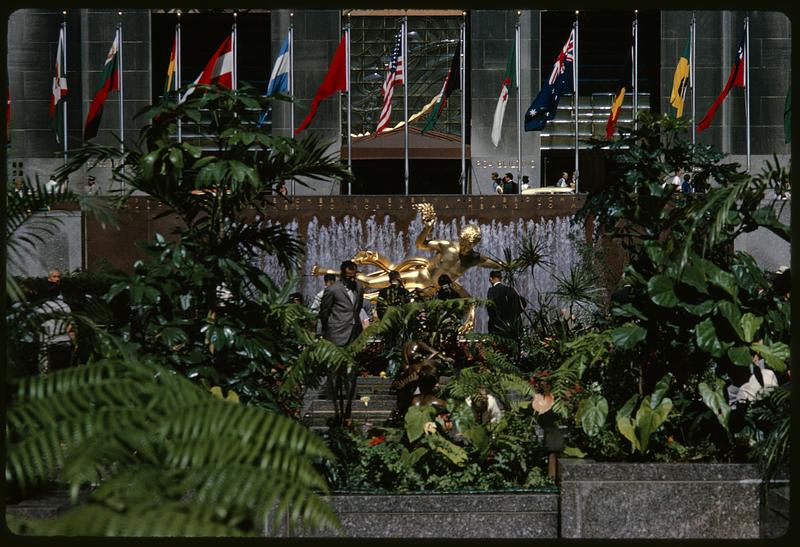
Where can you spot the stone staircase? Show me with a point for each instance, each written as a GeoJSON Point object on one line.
{"type": "Point", "coordinates": [373, 402]}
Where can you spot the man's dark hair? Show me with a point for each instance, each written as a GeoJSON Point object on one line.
{"type": "Point", "coordinates": [444, 279]}
{"type": "Point", "coordinates": [394, 275]}
{"type": "Point", "coordinates": [525, 178]}
{"type": "Point", "coordinates": [329, 277]}
{"type": "Point", "coordinates": [496, 274]}
{"type": "Point", "coordinates": [348, 265]}
{"type": "Point", "coordinates": [510, 176]}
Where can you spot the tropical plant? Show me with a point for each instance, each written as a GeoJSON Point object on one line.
{"type": "Point", "coordinates": [200, 299]}
{"type": "Point", "coordinates": [156, 455]}
{"type": "Point", "coordinates": [693, 310]}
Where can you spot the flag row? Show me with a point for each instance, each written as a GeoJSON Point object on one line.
{"type": "Point", "coordinates": [563, 79]}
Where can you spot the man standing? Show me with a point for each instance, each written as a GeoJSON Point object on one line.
{"type": "Point", "coordinates": [393, 295]}
{"type": "Point", "coordinates": [509, 185]}
{"type": "Point", "coordinates": [339, 313]}
{"type": "Point", "coordinates": [341, 305]}
{"type": "Point", "coordinates": [57, 336]}
{"type": "Point", "coordinates": [497, 183]}
{"type": "Point", "coordinates": [505, 303]}
{"type": "Point", "coordinates": [562, 182]}
{"type": "Point", "coordinates": [328, 280]}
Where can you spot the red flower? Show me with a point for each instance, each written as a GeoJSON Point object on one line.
{"type": "Point", "coordinates": [374, 441]}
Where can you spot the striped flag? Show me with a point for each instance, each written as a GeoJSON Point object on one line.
{"type": "Point", "coordinates": [108, 83]}
{"type": "Point", "coordinates": [59, 88]}
{"type": "Point", "coordinates": [500, 109]}
{"type": "Point", "coordinates": [279, 79]}
{"type": "Point", "coordinates": [393, 77]}
{"type": "Point", "coordinates": [171, 66]}
{"type": "Point", "coordinates": [219, 69]}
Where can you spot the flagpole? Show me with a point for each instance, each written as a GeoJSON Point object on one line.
{"type": "Point", "coordinates": [291, 76]}
{"type": "Point", "coordinates": [747, 84]}
{"type": "Point", "coordinates": [121, 92]}
{"type": "Point", "coordinates": [405, 98]}
{"type": "Point", "coordinates": [178, 68]}
{"type": "Point", "coordinates": [635, 68]}
{"type": "Point", "coordinates": [64, 27]}
{"type": "Point", "coordinates": [234, 47]}
{"type": "Point", "coordinates": [575, 79]}
{"type": "Point", "coordinates": [349, 112]}
{"type": "Point", "coordinates": [517, 44]}
{"type": "Point", "coordinates": [692, 34]}
{"type": "Point", "coordinates": [462, 77]}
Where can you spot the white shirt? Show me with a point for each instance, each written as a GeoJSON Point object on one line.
{"type": "Point", "coordinates": [493, 413]}
{"type": "Point", "coordinates": [55, 329]}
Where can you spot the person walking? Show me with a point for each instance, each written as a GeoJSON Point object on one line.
{"type": "Point", "coordinates": [339, 313]}
{"type": "Point", "coordinates": [505, 304]}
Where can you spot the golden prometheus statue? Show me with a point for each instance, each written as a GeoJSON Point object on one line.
{"type": "Point", "coordinates": [420, 274]}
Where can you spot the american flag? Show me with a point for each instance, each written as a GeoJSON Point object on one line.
{"type": "Point", "coordinates": [393, 77]}
{"type": "Point", "coordinates": [566, 55]}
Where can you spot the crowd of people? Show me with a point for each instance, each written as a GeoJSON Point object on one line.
{"type": "Point", "coordinates": [507, 184]}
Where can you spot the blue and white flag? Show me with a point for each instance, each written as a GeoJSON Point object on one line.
{"type": "Point", "coordinates": [545, 104]}
{"type": "Point", "coordinates": [279, 79]}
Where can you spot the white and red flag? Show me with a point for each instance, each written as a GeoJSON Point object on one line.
{"type": "Point", "coordinates": [219, 69]}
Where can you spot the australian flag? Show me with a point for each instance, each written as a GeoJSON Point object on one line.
{"type": "Point", "coordinates": [545, 104]}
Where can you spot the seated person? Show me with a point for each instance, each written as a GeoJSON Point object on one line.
{"type": "Point", "coordinates": [484, 407]}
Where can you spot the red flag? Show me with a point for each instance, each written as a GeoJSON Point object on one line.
{"type": "Point", "coordinates": [219, 69]}
{"type": "Point", "coordinates": [335, 80]}
{"type": "Point", "coordinates": [109, 82]}
{"type": "Point", "coordinates": [736, 79]}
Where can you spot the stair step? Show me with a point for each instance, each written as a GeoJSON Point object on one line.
{"type": "Point", "coordinates": [321, 405]}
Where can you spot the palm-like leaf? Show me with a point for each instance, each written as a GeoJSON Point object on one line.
{"type": "Point", "coordinates": [169, 458]}
{"type": "Point", "coordinates": [28, 225]}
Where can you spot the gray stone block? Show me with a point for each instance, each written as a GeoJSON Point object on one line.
{"type": "Point", "coordinates": [659, 500]}
{"type": "Point", "coordinates": [528, 516]}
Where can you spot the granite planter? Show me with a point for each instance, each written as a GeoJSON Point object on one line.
{"type": "Point", "coordinates": [654, 500]}
{"type": "Point", "coordinates": [491, 515]}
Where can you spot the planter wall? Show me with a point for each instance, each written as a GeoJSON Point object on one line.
{"type": "Point", "coordinates": [650, 500]}
{"type": "Point", "coordinates": [524, 515]}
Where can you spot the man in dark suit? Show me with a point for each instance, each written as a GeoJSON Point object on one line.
{"type": "Point", "coordinates": [505, 303]}
{"type": "Point", "coordinates": [393, 295]}
{"type": "Point", "coordinates": [341, 305]}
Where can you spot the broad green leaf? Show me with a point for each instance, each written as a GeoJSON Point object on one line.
{"type": "Point", "coordinates": [452, 451]}
{"type": "Point", "coordinates": [649, 418]}
{"type": "Point", "coordinates": [416, 418]}
{"type": "Point", "coordinates": [626, 337]}
{"type": "Point", "coordinates": [477, 436]}
{"type": "Point", "coordinates": [628, 310]}
{"type": "Point", "coordinates": [661, 388]}
{"type": "Point", "coordinates": [750, 325]}
{"type": "Point", "coordinates": [627, 408]}
{"type": "Point", "coordinates": [722, 279]}
{"type": "Point", "coordinates": [706, 337]}
{"type": "Point", "coordinates": [656, 254]}
{"type": "Point", "coordinates": [573, 452]}
{"type": "Point", "coordinates": [627, 429]}
{"type": "Point", "coordinates": [775, 355]}
{"type": "Point", "coordinates": [593, 412]}
{"type": "Point", "coordinates": [693, 276]}
{"type": "Point", "coordinates": [410, 458]}
{"type": "Point", "coordinates": [704, 308]}
{"type": "Point", "coordinates": [176, 158]}
{"type": "Point", "coordinates": [716, 400]}
{"type": "Point", "coordinates": [740, 355]}
{"type": "Point", "coordinates": [662, 291]}
{"type": "Point", "coordinates": [731, 312]}
{"type": "Point", "coordinates": [193, 151]}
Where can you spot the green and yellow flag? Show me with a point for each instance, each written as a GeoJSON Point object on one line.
{"type": "Point", "coordinates": [680, 81]}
